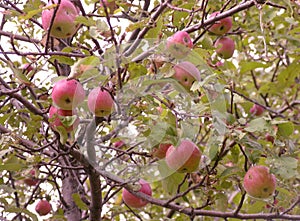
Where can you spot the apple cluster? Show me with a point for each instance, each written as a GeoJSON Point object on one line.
{"type": "Point", "coordinates": [224, 45]}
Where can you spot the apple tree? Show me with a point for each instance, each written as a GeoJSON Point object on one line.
{"type": "Point", "coordinates": [149, 110]}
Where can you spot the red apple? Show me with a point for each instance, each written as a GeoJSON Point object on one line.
{"type": "Point", "coordinates": [186, 73]}
{"type": "Point", "coordinates": [225, 47]}
{"type": "Point", "coordinates": [133, 201]}
{"type": "Point", "coordinates": [259, 182]}
{"type": "Point", "coordinates": [100, 102]}
{"type": "Point", "coordinates": [57, 117]}
{"type": "Point", "coordinates": [269, 138]}
{"type": "Point", "coordinates": [64, 25]}
{"type": "Point", "coordinates": [257, 110]}
{"type": "Point", "coordinates": [31, 179]}
{"type": "Point", "coordinates": [119, 144]}
{"type": "Point", "coordinates": [179, 44]}
{"type": "Point", "coordinates": [161, 150]}
{"type": "Point", "coordinates": [222, 26]}
{"type": "Point", "coordinates": [43, 207]}
{"type": "Point", "coordinates": [185, 158]}
{"type": "Point", "coordinates": [68, 94]}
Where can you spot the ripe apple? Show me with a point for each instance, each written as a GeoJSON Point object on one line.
{"type": "Point", "coordinates": [225, 47]}
{"type": "Point", "coordinates": [119, 144]}
{"type": "Point", "coordinates": [133, 201]}
{"type": "Point", "coordinates": [179, 44]}
{"type": "Point", "coordinates": [43, 207]}
{"type": "Point", "coordinates": [186, 73]}
{"type": "Point", "coordinates": [68, 94]}
{"type": "Point", "coordinates": [185, 158]}
{"type": "Point", "coordinates": [259, 182]}
{"type": "Point", "coordinates": [57, 117]}
{"type": "Point", "coordinates": [100, 102]}
{"type": "Point", "coordinates": [31, 179]}
{"type": "Point", "coordinates": [269, 138]}
{"type": "Point", "coordinates": [257, 110]}
{"type": "Point", "coordinates": [161, 150]}
{"type": "Point", "coordinates": [110, 5]}
{"type": "Point", "coordinates": [222, 26]}
{"type": "Point", "coordinates": [64, 25]}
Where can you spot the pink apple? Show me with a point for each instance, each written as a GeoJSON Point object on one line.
{"type": "Point", "coordinates": [133, 201]}
{"type": "Point", "coordinates": [43, 207]}
{"type": "Point", "coordinates": [119, 144]}
{"type": "Point", "coordinates": [64, 25]}
{"type": "Point", "coordinates": [161, 150]}
{"type": "Point", "coordinates": [68, 94]}
{"type": "Point", "coordinates": [110, 4]}
{"type": "Point", "coordinates": [222, 26]}
{"type": "Point", "coordinates": [100, 102]}
{"type": "Point", "coordinates": [31, 179]}
{"type": "Point", "coordinates": [57, 118]}
{"type": "Point", "coordinates": [186, 73]}
{"type": "Point", "coordinates": [259, 182]}
{"type": "Point", "coordinates": [185, 158]}
{"type": "Point", "coordinates": [257, 110]}
{"type": "Point", "coordinates": [179, 45]}
{"type": "Point", "coordinates": [225, 47]}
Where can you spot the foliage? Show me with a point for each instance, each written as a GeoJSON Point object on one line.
{"type": "Point", "coordinates": [82, 173]}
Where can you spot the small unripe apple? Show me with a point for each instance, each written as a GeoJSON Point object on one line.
{"type": "Point", "coordinates": [31, 179]}
{"type": "Point", "coordinates": [225, 47]}
{"type": "Point", "coordinates": [57, 116]}
{"type": "Point", "coordinates": [43, 207]}
{"type": "Point", "coordinates": [259, 182]}
{"type": "Point", "coordinates": [133, 201]}
{"type": "Point", "coordinates": [67, 94]}
{"type": "Point", "coordinates": [185, 158]}
{"type": "Point", "coordinates": [161, 150]}
{"type": "Point", "coordinates": [64, 25]}
{"type": "Point", "coordinates": [222, 26]}
{"type": "Point", "coordinates": [100, 102]}
{"type": "Point", "coordinates": [257, 110]}
{"type": "Point", "coordinates": [186, 73]}
{"type": "Point", "coordinates": [179, 45]}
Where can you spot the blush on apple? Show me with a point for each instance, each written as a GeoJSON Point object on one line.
{"type": "Point", "coordinates": [64, 25]}
{"type": "Point", "coordinates": [185, 158]}
{"type": "Point", "coordinates": [225, 47]}
{"type": "Point", "coordinates": [100, 102]}
{"type": "Point", "coordinates": [257, 110]}
{"type": "Point", "coordinates": [43, 207]}
{"type": "Point", "coordinates": [58, 117]}
{"type": "Point", "coordinates": [222, 26]}
{"type": "Point", "coordinates": [133, 201]}
{"type": "Point", "coordinates": [179, 45]}
{"type": "Point", "coordinates": [186, 73]}
{"type": "Point", "coordinates": [259, 182]}
{"type": "Point", "coordinates": [67, 94]}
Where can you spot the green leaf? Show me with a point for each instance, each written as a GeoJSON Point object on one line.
{"type": "Point", "coordinates": [81, 205]}
{"type": "Point", "coordinates": [13, 209]}
{"type": "Point", "coordinates": [286, 167]}
{"type": "Point", "coordinates": [251, 65]}
{"type": "Point", "coordinates": [258, 124]}
{"type": "Point", "coordinates": [11, 167]}
{"type": "Point", "coordinates": [286, 129]}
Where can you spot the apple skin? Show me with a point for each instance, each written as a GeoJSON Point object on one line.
{"type": "Point", "coordinates": [179, 44]}
{"type": "Point", "coordinates": [43, 207]}
{"type": "Point", "coordinates": [257, 110]}
{"type": "Point", "coordinates": [269, 138]}
{"type": "Point", "coordinates": [161, 150]}
{"type": "Point", "coordinates": [222, 26]}
{"type": "Point", "coordinates": [259, 182]}
{"type": "Point", "coordinates": [133, 201]}
{"type": "Point", "coordinates": [185, 158]}
{"type": "Point", "coordinates": [225, 47]}
{"type": "Point", "coordinates": [67, 94]}
{"type": "Point", "coordinates": [31, 179]}
{"type": "Point", "coordinates": [64, 25]}
{"type": "Point", "coordinates": [186, 73]}
{"type": "Point", "coordinates": [56, 113]}
{"type": "Point", "coordinates": [100, 102]}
